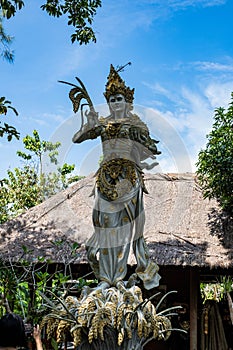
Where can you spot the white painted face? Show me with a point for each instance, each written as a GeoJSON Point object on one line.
{"type": "Point", "coordinates": [117, 103]}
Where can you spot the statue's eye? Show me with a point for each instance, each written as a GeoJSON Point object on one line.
{"type": "Point", "coordinates": [112, 100]}
{"type": "Point", "coordinates": [119, 98]}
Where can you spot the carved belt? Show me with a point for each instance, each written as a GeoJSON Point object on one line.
{"type": "Point", "coordinates": [116, 178]}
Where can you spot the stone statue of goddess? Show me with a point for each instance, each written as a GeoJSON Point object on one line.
{"type": "Point", "coordinates": [118, 213]}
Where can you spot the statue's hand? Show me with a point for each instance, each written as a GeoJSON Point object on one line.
{"type": "Point", "coordinates": [92, 118]}
{"type": "Point", "coordinates": [139, 135]}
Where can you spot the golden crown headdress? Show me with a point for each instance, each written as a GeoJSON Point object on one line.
{"type": "Point", "coordinates": [116, 85]}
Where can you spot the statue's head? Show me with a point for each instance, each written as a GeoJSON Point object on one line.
{"type": "Point", "coordinates": [117, 103]}
{"type": "Point", "coordinates": [116, 92]}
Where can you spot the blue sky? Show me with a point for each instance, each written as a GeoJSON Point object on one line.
{"type": "Point", "coordinates": [182, 69]}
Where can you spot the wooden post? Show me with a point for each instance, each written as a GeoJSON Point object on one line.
{"type": "Point", "coordinates": [193, 296]}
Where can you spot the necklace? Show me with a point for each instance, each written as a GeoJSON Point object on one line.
{"type": "Point", "coordinates": [112, 131]}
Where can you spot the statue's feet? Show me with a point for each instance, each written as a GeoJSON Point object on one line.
{"type": "Point", "coordinates": [102, 285]}
{"type": "Point", "coordinates": [120, 285]}
{"type": "Point", "coordinates": [84, 293]}
{"type": "Point", "coordinates": [133, 280]}
{"type": "Point", "coordinates": [87, 291]}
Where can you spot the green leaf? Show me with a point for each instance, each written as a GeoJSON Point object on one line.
{"type": "Point", "coordinates": [54, 344]}
{"type": "Point", "coordinates": [75, 246]}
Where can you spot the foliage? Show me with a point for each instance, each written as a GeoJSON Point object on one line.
{"type": "Point", "coordinates": [28, 186]}
{"type": "Point", "coordinates": [5, 41]}
{"type": "Point", "coordinates": [37, 149]}
{"type": "Point", "coordinates": [216, 291]}
{"type": "Point", "coordinates": [9, 130]}
{"type": "Point", "coordinates": [80, 15]}
{"type": "Point", "coordinates": [9, 7]}
{"type": "Point", "coordinates": [19, 192]}
{"type": "Point", "coordinates": [7, 54]}
{"type": "Point", "coordinates": [215, 162]}
{"type": "Point", "coordinates": [22, 283]}
{"type": "Point", "coordinates": [5, 106]}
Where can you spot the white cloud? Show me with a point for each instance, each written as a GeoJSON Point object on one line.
{"type": "Point", "coordinates": [157, 88]}
{"type": "Point", "coordinates": [171, 141]}
{"type": "Point", "coordinates": [53, 117]}
{"type": "Point", "coordinates": [121, 18]}
{"type": "Point", "coordinates": [182, 129]}
{"type": "Point", "coordinates": [181, 4]}
{"type": "Point", "coordinates": [40, 122]}
{"type": "Point", "coordinates": [213, 66]}
{"type": "Point", "coordinates": [186, 3]}
{"type": "Point", "coordinates": [219, 95]}
{"type": "Point", "coordinates": [198, 110]}
{"type": "Point", "coordinates": [160, 90]}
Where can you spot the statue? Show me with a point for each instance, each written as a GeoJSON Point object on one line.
{"type": "Point", "coordinates": [118, 213]}
{"type": "Point", "coordinates": [114, 314]}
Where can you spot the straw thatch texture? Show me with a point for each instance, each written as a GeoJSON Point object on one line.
{"type": "Point", "coordinates": [181, 227]}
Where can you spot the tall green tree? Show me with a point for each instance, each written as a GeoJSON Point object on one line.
{"type": "Point", "coordinates": [28, 186]}
{"type": "Point", "coordinates": [37, 148]}
{"type": "Point", "coordinates": [19, 192]}
{"type": "Point", "coordinates": [5, 105]}
{"type": "Point", "coordinates": [215, 162]}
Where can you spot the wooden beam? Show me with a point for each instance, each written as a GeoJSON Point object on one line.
{"type": "Point", "coordinates": [193, 302]}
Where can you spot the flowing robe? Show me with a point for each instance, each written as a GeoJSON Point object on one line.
{"type": "Point", "coordinates": [118, 213]}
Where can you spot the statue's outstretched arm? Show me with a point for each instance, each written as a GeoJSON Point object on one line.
{"type": "Point", "coordinates": [87, 133]}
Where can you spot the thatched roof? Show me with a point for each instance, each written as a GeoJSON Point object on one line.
{"type": "Point", "coordinates": [181, 227]}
